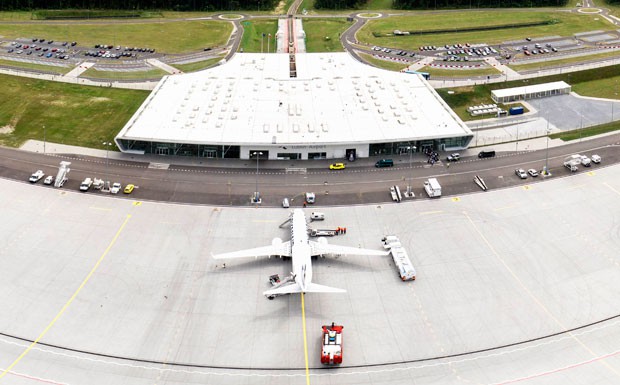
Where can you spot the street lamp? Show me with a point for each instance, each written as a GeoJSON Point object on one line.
{"type": "Point", "coordinates": [257, 154]}
{"type": "Point", "coordinates": [411, 149]}
{"type": "Point", "coordinates": [107, 149]}
{"type": "Point", "coordinates": [44, 138]}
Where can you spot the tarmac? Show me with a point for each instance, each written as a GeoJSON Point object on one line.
{"type": "Point", "coordinates": [515, 285]}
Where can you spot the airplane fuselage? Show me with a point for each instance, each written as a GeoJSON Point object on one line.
{"type": "Point", "coordinates": [300, 249]}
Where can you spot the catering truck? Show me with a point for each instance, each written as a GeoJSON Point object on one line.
{"type": "Point", "coordinates": [432, 188]}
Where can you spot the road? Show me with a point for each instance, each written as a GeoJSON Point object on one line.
{"type": "Point", "coordinates": [231, 182]}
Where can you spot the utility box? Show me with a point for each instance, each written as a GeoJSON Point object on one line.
{"type": "Point", "coordinates": [516, 110]}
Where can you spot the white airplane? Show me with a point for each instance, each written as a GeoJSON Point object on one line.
{"type": "Point", "coordinates": [301, 249]}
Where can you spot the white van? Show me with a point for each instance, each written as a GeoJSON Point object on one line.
{"type": "Point", "coordinates": [316, 216]}
{"type": "Point", "coordinates": [285, 203]}
{"type": "Point", "coordinates": [310, 197]}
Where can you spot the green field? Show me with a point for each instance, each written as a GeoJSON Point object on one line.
{"type": "Point", "coordinates": [560, 62]}
{"type": "Point", "coordinates": [385, 64]}
{"type": "Point", "coordinates": [154, 74]}
{"type": "Point", "coordinates": [459, 73]}
{"type": "Point", "coordinates": [379, 5]}
{"type": "Point", "coordinates": [72, 114]}
{"type": "Point", "coordinates": [199, 65]}
{"type": "Point", "coordinates": [168, 37]}
{"type": "Point", "coordinates": [323, 35]}
{"type": "Point", "coordinates": [36, 67]}
{"type": "Point", "coordinates": [586, 132]}
{"type": "Point", "coordinates": [567, 25]}
{"type": "Point", "coordinates": [252, 35]}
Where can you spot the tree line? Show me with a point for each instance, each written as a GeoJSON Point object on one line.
{"type": "Point", "coordinates": [451, 4]}
{"type": "Point", "coordinates": [172, 5]}
{"type": "Point", "coordinates": [230, 5]}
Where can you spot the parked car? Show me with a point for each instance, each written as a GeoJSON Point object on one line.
{"type": "Point", "coordinates": [48, 179]}
{"type": "Point", "coordinates": [116, 187]}
{"type": "Point", "coordinates": [521, 173]}
{"type": "Point", "coordinates": [454, 157]}
{"type": "Point", "coordinates": [310, 197]}
{"type": "Point", "coordinates": [596, 159]}
{"type": "Point", "coordinates": [532, 172]}
{"type": "Point", "coordinates": [129, 188]}
{"type": "Point", "coordinates": [285, 203]}
{"type": "Point", "coordinates": [336, 166]}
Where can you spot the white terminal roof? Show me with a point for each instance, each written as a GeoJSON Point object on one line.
{"type": "Point", "coordinates": [252, 100]}
{"type": "Point", "coordinates": [533, 89]}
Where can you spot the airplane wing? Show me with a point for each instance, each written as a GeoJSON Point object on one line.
{"type": "Point", "coordinates": [319, 248]}
{"type": "Point", "coordinates": [282, 249]}
{"type": "Point", "coordinates": [294, 288]}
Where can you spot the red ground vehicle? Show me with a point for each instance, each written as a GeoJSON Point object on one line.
{"type": "Point", "coordinates": [331, 351]}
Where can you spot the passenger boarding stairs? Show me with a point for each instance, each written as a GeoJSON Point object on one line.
{"type": "Point", "coordinates": [63, 174]}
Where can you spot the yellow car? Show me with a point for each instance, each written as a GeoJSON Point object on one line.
{"type": "Point", "coordinates": [128, 189]}
{"type": "Point", "coordinates": [336, 166]}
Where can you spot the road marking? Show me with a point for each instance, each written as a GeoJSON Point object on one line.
{"type": "Point", "coordinates": [527, 187]}
{"type": "Point", "coordinates": [303, 317]}
{"type": "Point", "coordinates": [137, 203]}
{"type": "Point", "coordinates": [456, 199]}
{"type": "Point", "coordinates": [100, 208]}
{"type": "Point", "coordinates": [591, 173]}
{"type": "Point", "coordinates": [431, 212]}
{"type": "Point", "coordinates": [263, 221]}
{"type": "Point", "coordinates": [68, 303]}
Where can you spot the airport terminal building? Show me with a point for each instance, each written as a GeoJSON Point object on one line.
{"type": "Point", "coordinates": [322, 106]}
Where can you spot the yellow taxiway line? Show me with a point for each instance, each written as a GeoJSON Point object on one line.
{"type": "Point", "coordinates": [75, 294]}
{"type": "Point", "coordinates": [303, 318]}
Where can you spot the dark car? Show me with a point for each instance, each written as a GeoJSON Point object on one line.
{"type": "Point", "coordinates": [486, 154]}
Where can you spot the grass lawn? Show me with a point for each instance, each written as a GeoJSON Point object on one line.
{"type": "Point", "coordinates": [155, 73]}
{"type": "Point", "coordinates": [462, 97]}
{"type": "Point", "coordinates": [323, 35]}
{"type": "Point", "coordinates": [458, 73]}
{"type": "Point", "coordinates": [198, 65]}
{"type": "Point", "coordinates": [169, 37]}
{"type": "Point", "coordinates": [71, 114]}
{"type": "Point", "coordinates": [560, 62]}
{"type": "Point", "coordinates": [568, 25]}
{"type": "Point", "coordinates": [585, 132]}
{"type": "Point", "coordinates": [37, 67]}
{"type": "Point", "coordinates": [253, 32]}
{"type": "Point", "coordinates": [385, 64]}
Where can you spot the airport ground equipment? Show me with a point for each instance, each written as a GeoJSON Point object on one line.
{"type": "Point", "coordinates": [86, 183]}
{"type": "Point", "coordinates": [63, 174]}
{"type": "Point", "coordinates": [571, 162]}
{"type": "Point", "coordinates": [98, 183]}
{"type": "Point", "coordinates": [322, 232]}
{"type": "Point", "coordinates": [480, 182]}
{"type": "Point", "coordinates": [395, 193]}
{"type": "Point", "coordinates": [432, 188]}
{"type": "Point", "coordinates": [406, 271]}
{"type": "Point", "coordinates": [331, 349]}
{"type": "Point", "coordinates": [275, 282]}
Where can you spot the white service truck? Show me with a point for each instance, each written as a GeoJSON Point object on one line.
{"type": "Point", "coordinates": [86, 183]}
{"type": "Point", "coordinates": [432, 188]}
{"type": "Point", "coordinates": [571, 162]}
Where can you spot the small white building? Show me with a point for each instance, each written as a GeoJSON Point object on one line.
{"type": "Point", "coordinates": [335, 107]}
{"type": "Point", "coordinates": [533, 91]}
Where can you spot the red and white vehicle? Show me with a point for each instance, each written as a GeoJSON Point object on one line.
{"type": "Point", "coordinates": [331, 352]}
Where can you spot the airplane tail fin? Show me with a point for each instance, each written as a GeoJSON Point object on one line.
{"type": "Point", "coordinates": [295, 289]}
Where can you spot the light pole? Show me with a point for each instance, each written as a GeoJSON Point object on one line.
{"type": "Point", "coordinates": [257, 154]}
{"type": "Point", "coordinates": [107, 149]}
{"type": "Point", "coordinates": [546, 170]}
{"type": "Point", "coordinates": [44, 138]}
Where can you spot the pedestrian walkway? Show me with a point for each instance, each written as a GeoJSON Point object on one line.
{"type": "Point", "coordinates": [507, 71]}
{"type": "Point", "coordinates": [161, 65]}
{"type": "Point", "coordinates": [77, 71]}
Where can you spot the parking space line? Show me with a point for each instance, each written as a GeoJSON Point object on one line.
{"type": "Point", "coordinates": [75, 294]}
